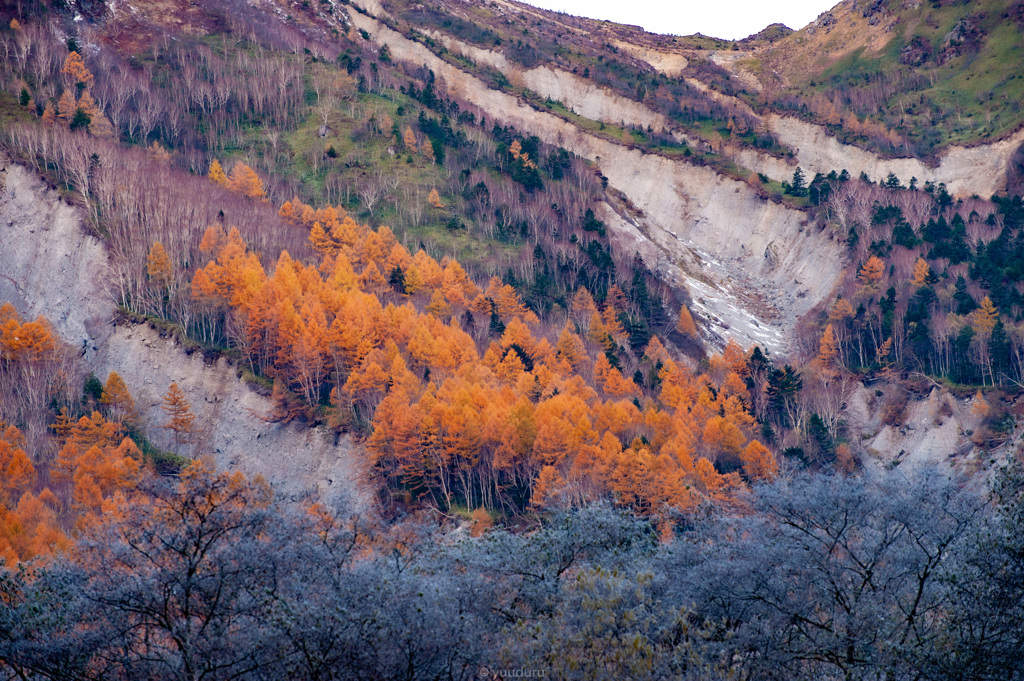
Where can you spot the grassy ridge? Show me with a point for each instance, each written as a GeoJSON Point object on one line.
{"type": "Point", "coordinates": [937, 74]}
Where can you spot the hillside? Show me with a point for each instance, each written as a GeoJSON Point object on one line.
{"type": "Point", "coordinates": [934, 73]}
{"type": "Point", "coordinates": [896, 78]}
{"type": "Point", "coordinates": [397, 115]}
{"type": "Point", "coordinates": [449, 340]}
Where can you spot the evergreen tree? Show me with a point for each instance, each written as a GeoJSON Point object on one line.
{"type": "Point", "coordinates": [964, 369]}
{"type": "Point", "coordinates": [397, 279]}
{"type": "Point", "coordinates": [965, 304]}
{"type": "Point", "coordinates": [783, 386]}
{"type": "Point", "coordinates": [798, 187]}
{"type": "Point", "coordinates": [81, 120]}
{"type": "Point", "coordinates": [999, 351]}
{"type": "Point", "coordinates": [903, 234]}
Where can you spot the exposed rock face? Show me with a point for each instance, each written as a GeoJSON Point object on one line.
{"type": "Point", "coordinates": [977, 170]}
{"type": "Point", "coordinates": [231, 417]}
{"type": "Point", "coordinates": [589, 100]}
{"type": "Point", "coordinates": [962, 38]}
{"type": "Point", "coordinates": [712, 229]}
{"type": "Point", "coordinates": [669, 63]}
{"type": "Point", "coordinates": [980, 170]}
{"type": "Point", "coordinates": [931, 432]}
{"type": "Point", "coordinates": [580, 95]}
{"type": "Point", "coordinates": [752, 267]}
{"type": "Point", "coordinates": [825, 19]}
{"type": "Point", "coordinates": [49, 266]}
{"type": "Point", "coordinates": [917, 52]}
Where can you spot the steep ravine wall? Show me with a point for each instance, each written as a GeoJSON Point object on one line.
{"type": "Point", "coordinates": [935, 431]}
{"type": "Point", "coordinates": [669, 63]}
{"type": "Point", "coordinates": [232, 418]}
{"type": "Point", "coordinates": [580, 95]}
{"type": "Point", "coordinates": [977, 170]}
{"type": "Point", "coordinates": [713, 228]}
{"type": "Point", "coordinates": [50, 266]}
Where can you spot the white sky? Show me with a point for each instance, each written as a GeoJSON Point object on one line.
{"type": "Point", "coordinates": [729, 19]}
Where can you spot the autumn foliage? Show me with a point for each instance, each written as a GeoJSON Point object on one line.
{"type": "Point", "coordinates": [243, 179]}
{"type": "Point", "coordinates": [462, 393]}
{"type": "Point", "coordinates": [76, 107]}
{"type": "Point", "coordinates": [95, 463]}
{"type": "Point", "coordinates": [57, 475]}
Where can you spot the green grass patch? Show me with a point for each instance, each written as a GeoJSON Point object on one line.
{"type": "Point", "coordinates": [12, 112]}
{"type": "Point", "coordinates": [264, 385]}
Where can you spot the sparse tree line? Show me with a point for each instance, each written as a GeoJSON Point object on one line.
{"type": "Point", "coordinates": [869, 109]}
{"type": "Point", "coordinates": [212, 577]}
{"type": "Point", "coordinates": [687, 106]}
{"type": "Point", "coordinates": [496, 192]}
{"type": "Point", "coordinates": [186, 95]}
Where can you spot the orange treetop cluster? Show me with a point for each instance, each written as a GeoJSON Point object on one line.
{"type": "Point", "coordinates": [390, 337]}
{"type": "Point", "coordinates": [43, 498]}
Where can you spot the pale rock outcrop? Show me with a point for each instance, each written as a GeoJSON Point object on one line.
{"type": "Point", "coordinates": [670, 63]}
{"type": "Point", "coordinates": [580, 95]}
{"type": "Point", "coordinates": [971, 170]}
{"type": "Point", "coordinates": [48, 266]}
{"type": "Point", "coordinates": [931, 432]}
{"type": "Point", "coordinates": [232, 419]}
{"type": "Point", "coordinates": [587, 99]}
{"type": "Point", "coordinates": [479, 55]}
{"type": "Point", "coordinates": [979, 169]}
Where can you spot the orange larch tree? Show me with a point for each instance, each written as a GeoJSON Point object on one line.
{"type": "Point", "coordinates": [180, 417]}
{"type": "Point", "coordinates": [118, 401]}
{"type": "Point", "coordinates": [244, 180]}
{"type": "Point", "coordinates": [76, 71]}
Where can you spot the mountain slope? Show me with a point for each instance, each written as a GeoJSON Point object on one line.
{"type": "Point", "coordinates": [485, 176]}
{"type": "Point", "coordinates": [50, 267]}
{"type": "Point", "coordinates": [935, 73]}
{"type": "Point", "coordinates": [677, 197]}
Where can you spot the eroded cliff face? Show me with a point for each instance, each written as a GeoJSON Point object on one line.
{"type": "Point", "coordinates": [919, 432]}
{"type": "Point", "coordinates": [671, 64]}
{"type": "Point", "coordinates": [50, 266]}
{"type": "Point", "coordinates": [977, 170]}
{"type": "Point", "coordinates": [965, 171]}
{"type": "Point", "coordinates": [234, 425]}
{"type": "Point", "coordinates": [760, 264]}
{"type": "Point", "coordinates": [580, 95]}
